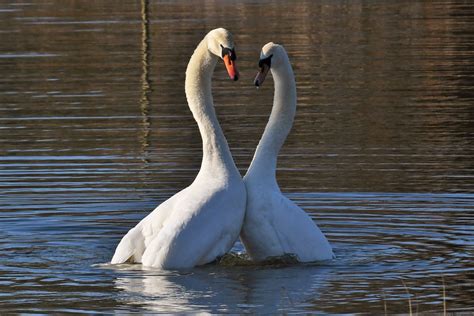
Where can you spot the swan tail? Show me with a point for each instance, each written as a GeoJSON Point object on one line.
{"type": "Point", "coordinates": [130, 248]}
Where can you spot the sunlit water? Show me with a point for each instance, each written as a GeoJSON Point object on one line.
{"type": "Point", "coordinates": [95, 132]}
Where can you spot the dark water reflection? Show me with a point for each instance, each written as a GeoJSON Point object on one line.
{"type": "Point", "coordinates": [95, 131]}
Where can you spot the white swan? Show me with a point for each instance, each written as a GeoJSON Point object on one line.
{"type": "Point", "coordinates": [273, 224]}
{"type": "Point", "coordinates": [201, 222]}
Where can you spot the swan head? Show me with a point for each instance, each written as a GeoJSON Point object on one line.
{"type": "Point", "coordinates": [221, 43]}
{"type": "Point", "coordinates": [272, 56]}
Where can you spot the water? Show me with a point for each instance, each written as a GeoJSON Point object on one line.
{"type": "Point", "coordinates": [95, 132]}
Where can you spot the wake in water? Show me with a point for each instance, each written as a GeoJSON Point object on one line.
{"type": "Point", "coordinates": [232, 259]}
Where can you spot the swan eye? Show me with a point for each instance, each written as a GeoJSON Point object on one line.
{"type": "Point", "coordinates": [228, 51]}
{"type": "Point", "coordinates": [265, 61]}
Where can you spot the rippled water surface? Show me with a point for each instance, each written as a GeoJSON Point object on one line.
{"type": "Point", "coordinates": [95, 132]}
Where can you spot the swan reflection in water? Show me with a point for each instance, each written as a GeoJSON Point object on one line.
{"type": "Point", "coordinates": [218, 289]}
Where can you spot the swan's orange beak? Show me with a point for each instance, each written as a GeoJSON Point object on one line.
{"type": "Point", "coordinates": [260, 78]}
{"type": "Point", "coordinates": [231, 67]}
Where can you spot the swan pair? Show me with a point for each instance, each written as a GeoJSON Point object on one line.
{"type": "Point", "coordinates": [201, 223]}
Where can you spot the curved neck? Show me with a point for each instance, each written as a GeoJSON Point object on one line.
{"type": "Point", "coordinates": [198, 87]}
{"type": "Point", "coordinates": [264, 162]}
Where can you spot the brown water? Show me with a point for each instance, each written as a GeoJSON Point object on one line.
{"type": "Point", "coordinates": [95, 132]}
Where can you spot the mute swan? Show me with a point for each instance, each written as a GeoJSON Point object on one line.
{"type": "Point", "coordinates": [201, 222]}
{"type": "Point", "coordinates": [273, 224]}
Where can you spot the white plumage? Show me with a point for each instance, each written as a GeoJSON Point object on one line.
{"type": "Point", "coordinates": [201, 222]}
{"type": "Point", "coordinates": [273, 224]}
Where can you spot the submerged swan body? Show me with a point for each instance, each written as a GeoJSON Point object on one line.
{"type": "Point", "coordinates": [274, 225]}
{"type": "Point", "coordinates": [201, 222]}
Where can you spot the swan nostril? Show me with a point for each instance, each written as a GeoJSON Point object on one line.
{"type": "Point", "coordinates": [257, 84]}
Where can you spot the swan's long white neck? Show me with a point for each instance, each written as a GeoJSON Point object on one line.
{"type": "Point", "coordinates": [263, 166]}
{"type": "Point", "coordinates": [217, 158]}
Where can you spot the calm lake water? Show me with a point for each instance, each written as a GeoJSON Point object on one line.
{"type": "Point", "coordinates": [95, 132]}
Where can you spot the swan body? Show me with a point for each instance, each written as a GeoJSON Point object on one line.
{"type": "Point", "coordinates": [201, 222]}
{"type": "Point", "coordinates": [273, 224]}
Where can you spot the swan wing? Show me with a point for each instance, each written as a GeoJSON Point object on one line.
{"type": "Point", "coordinates": [201, 228]}
{"type": "Point", "coordinates": [298, 233]}
{"type": "Point", "coordinates": [129, 248]}
{"type": "Point", "coordinates": [133, 244]}
{"type": "Point", "coordinates": [259, 234]}
{"type": "Point", "coordinates": [275, 225]}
